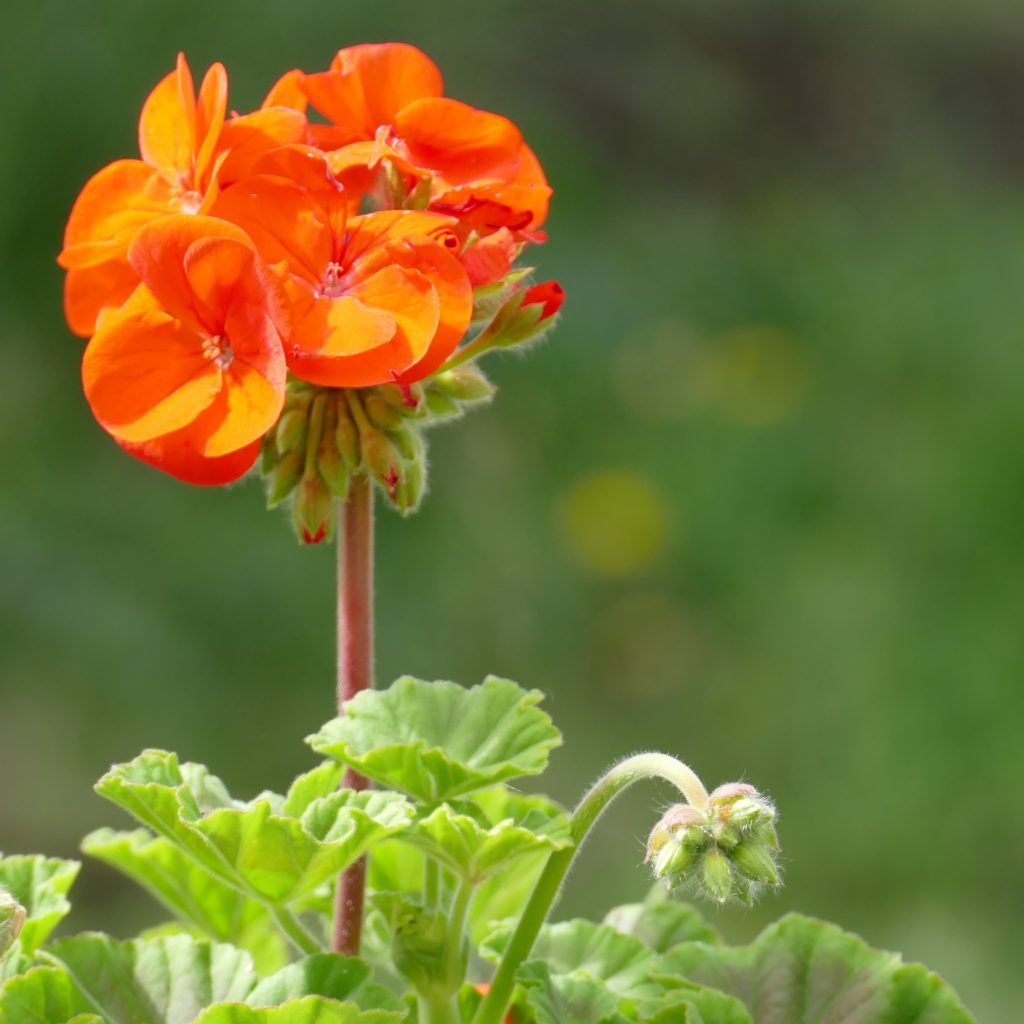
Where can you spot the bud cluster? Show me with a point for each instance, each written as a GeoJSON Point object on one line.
{"type": "Point", "coordinates": [729, 850]}
{"type": "Point", "coordinates": [12, 918]}
{"type": "Point", "coordinates": [327, 436]}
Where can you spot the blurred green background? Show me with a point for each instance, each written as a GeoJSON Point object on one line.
{"type": "Point", "coordinates": [759, 502]}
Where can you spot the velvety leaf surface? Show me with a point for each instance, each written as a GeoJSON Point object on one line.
{"type": "Point", "coordinates": [159, 981]}
{"type": "Point", "coordinates": [308, 1010]}
{"type": "Point", "coordinates": [437, 741]}
{"type": "Point", "coordinates": [219, 912]}
{"type": "Point", "coordinates": [803, 971]}
{"type": "Point", "coordinates": [462, 838]}
{"type": "Point", "coordinates": [567, 999]}
{"type": "Point", "coordinates": [622, 962]}
{"type": "Point", "coordinates": [43, 995]}
{"type": "Point", "coordinates": [662, 924]}
{"type": "Point", "coordinates": [331, 975]}
{"type": "Point", "coordinates": [269, 857]}
{"type": "Point", "coordinates": [693, 1004]}
{"type": "Point", "coordinates": [40, 885]}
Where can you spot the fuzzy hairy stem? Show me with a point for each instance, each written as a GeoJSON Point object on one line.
{"type": "Point", "coordinates": [355, 673]}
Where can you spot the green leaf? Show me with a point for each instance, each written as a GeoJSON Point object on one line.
{"type": "Point", "coordinates": [688, 1003]}
{"type": "Point", "coordinates": [270, 858]}
{"type": "Point", "coordinates": [662, 924]}
{"type": "Point", "coordinates": [621, 962]}
{"type": "Point", "coordinates": [321, 781]}
{"type": "Point", "coordinates": [437, 741]}
{"type": "Point", "coordinates": [190, 891]}
{"type": "Point", "coordinates": [325, 974]}
{"type": "Point", "coordinates": [567, 999]}
{"type": "Point", "coordinates": [40, 885]}
{"type": "Point", "coordinates": [44, 995]}
{"type": "Point", "coordinates": [803, 971]}
{"type": "Point", "coordinates": [156, 981]}
{"type": "Point", "coordinates": [308, 1010]}
{"type": "Point", "coordinates": [466, 841]}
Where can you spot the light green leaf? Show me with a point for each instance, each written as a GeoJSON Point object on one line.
{"type": "Point", "coordinates": [158, 981]}
{"type": "Point", "coordinates": [567, 999]}
{"type": "Point", "coordinates": [40, 885]}
{"type": "Point", "coordinates": [270, 858]}
{"type": "Point", "coordinates": [662, 924]}
{"type": "Point", "coordinates": [331, 975]}
{"type": "Point", "coordinates": [321, 781]}
{"type": "Point", "coordinates": [308, 1010]}
{"type": "Point", "coordinates": [437, 741]}
{"type": "Point", "coordinates": [688, 1003]}
{"type": "Point", "coordinates": [219, 912]}
{"type": "Point", "coordinates": [464, 841]}
{"type": "Point", "coordinates": [621, 962]}
{"type": "Point", "coordinates": [86, 1018]}
{"type": "Point", "coordinates": [43, 995]}
{"type": "Point", "coordinates": [803, 971]}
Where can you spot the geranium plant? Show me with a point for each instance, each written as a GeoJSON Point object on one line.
{"type": "Point", "coordinates": [300, 292]}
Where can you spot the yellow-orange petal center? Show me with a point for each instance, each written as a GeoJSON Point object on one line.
{"type": "Point", "coordinates": [218, 351]}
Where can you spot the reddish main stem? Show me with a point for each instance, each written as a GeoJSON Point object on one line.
{"type": "Point", "coordinates": [355, 673]}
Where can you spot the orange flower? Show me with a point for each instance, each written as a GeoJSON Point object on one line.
{"type": "Point", "coordinates": [189, 374]}
{"type": "Point", "coordinates": [375, 298]}
{"type": "Point", "coordinates": [385, 100]}
{"type": "Point", "coordinates": [188, 151]}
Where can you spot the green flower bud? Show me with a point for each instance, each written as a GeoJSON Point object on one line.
{"type": "Point", "coordinates": [756, 861]}
{"type": "Point", "coordinates": [12, 918]}
{"type": "Point", "coordinates": [438, 406]}
{"type": "Point", "coordinates": [465, 384]}
{"type": "Point", "coordinates": [291, 428]}
{"type": "Point", "coordinates": [380, 456]}
{"type": "Point", "coordinates": [346, 434]}
{"type": "Point", "coordinates": [333, 471]}
{"type": "Point", "coordinates": [381, 413]}
{"type": "Point", "coordinates": [408, 442]}
{"type": "Point", "coordinates": [283, 477]}
{"type": "Point", "coordinates": [488, 299]}
{"type": "Point", "coordinates": [716, 875]}
{"type": "Point", "coordinates": [313, 510]}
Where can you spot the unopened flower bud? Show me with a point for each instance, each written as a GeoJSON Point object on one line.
{"type": "Point", "coordinates": [283, 477]}
{"type": "Point", "coordinates": [717, 875]}
{"type": "Point", "coordinates": [346, 434]}
{"type": "Point", "coordinates": [12, 918]}
{"type": "Point", "coordinates": [439, 406]}
{"type": "Point", "coordinates": [333, 471]}
{"type": "Point", "coordinates": [489, 299]}
{"type": "Point", "coordinates": [465, 384]}
{"type": "Point", "coordinates": [756, 860]}
{"type": "Point", "coordinates": [381, 413]}
{"type": "Point", "coordinates": [291, 428]}
{"type": "Point", "coordinates": [408, 442]}
{"type": "Point", "coordinates": [312, 510]}
{"type": "Point", "coordinates": [380, 455]}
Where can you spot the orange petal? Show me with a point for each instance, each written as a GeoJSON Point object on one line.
{"type": "Point", "coordinates": [286, 222]}
{"type": "Point", "coordinates": [145, 375]}
{"type": "Point", "coordinates": [287, 92]}
{"type": "Point", "coordinates": [489, 259]}
{"type": "Point", "coordinates": [179, 455]}
{"type": "Point", "coordinates": [210, 110]}
{"type": "Point", "coordinates": [249, 137]}
{"type": "Point", "coordinates": [455, 140]}
{"type": "Point", "coordinates": [88, 291]}
{"type": "Point", "coordinates": [375, 229]}
{"type": "Point", "coordinates": [157, 253]}
{"type": "Point", "coordinates": [167, 126]}
{"type": "Point", "coordinates": [368, 85]}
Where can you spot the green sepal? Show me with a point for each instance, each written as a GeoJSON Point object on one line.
{"type": "Point", "coordinates": [269, 857]}
{"type": "Point", "coordinates": [803, 971]}
{"type": "Point", "coordinates": [437, 741]}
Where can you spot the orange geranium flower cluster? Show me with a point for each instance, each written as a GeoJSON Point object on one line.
{"type": "Point", "coordinates": [337, 233]}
